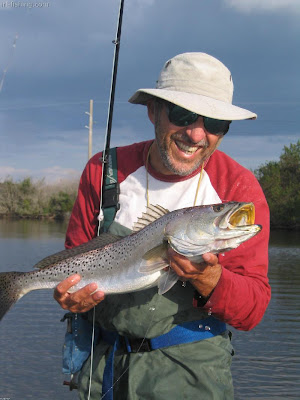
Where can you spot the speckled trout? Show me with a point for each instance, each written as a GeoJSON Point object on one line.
{"type": "Point", "coordinates": [138, 261]}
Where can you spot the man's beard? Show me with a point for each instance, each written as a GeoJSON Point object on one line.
{"type": "Point", "coordinates": [185, 169]}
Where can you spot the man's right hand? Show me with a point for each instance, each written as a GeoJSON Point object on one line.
{"type": "Point", "coordinates": [80, 301]}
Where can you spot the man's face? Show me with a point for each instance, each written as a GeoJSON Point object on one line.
{"type": "Point", "coordinates": [179, 150]}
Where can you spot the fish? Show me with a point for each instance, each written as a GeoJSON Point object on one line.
{"type": "Point", "coordinates": [138, 261]}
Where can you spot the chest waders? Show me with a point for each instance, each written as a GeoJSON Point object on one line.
{"type": "Point", "coordinates": [77, 347]}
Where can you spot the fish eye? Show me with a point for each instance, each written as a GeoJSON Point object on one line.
{"type": "Point", "coordinates": [218, 207]}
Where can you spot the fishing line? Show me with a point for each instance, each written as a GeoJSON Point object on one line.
{"type": "Point", "coordinates": [92, 353]}
{"type": "Point", "coordinates": [144, 338]}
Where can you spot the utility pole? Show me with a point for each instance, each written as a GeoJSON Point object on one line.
{"type": "Point", "coordinates": [90, 128]}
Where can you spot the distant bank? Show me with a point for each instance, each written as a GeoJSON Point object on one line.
{"type": "Point", "coordinates": [280, 181]}
{"type": "Point", "coordinates": [36, 200]}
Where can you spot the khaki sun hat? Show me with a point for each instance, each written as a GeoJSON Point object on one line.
{"type": "Point", "coordinates": [198, 82]}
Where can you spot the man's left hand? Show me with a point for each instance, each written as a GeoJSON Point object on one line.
{"type": "Point", "coordinates": [203, 276]}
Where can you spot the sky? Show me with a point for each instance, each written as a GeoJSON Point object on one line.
{"type": "Point", "coordinates": [57, 55]}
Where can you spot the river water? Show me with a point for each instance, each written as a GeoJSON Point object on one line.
{"type": "Point", "coordinates": [266, 364]}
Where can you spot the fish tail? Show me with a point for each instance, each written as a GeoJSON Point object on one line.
{"type": "Point", "coordinates": [11, 290]}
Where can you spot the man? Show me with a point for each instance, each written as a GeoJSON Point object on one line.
{"type": "Point", "coordinates": [191, 109]}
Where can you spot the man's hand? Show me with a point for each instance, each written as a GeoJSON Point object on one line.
{"type": "Point", "coordinates": [204, 276]}
{"type": "Point", "coordinates": [80, 301]}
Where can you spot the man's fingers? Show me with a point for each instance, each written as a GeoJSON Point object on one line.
{"type": "Point", "coordinates": [98, 296]}
{"type": "Point", "coordinates": [210, 258]}
{"type": "Point", "coordinates": [84, 299]}
{"type": "Point", "coordinates": [84, 293]}
{"type": "Point", "coordinates": [80, 301]}
{"type": "Point", "coordinates": [187, 269]}
{"type": "Point", "coordinates": [62, 288]}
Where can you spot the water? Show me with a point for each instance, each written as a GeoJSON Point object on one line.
{"type": "Point", "coordinates": [266, 364]}
{"type": "Point", "coordinates": [267, 360]}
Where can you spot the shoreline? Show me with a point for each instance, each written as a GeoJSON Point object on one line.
{"type": "Point", "coordinates": [65, 216]}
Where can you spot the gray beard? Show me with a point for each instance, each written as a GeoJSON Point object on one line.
{"type": "Point", "coordinates": [164, 154]}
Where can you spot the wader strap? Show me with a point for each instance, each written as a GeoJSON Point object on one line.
{"type": "Point", "coordinates": [188, 332]}
{"type": "Point", "coordinates": [110, 191]}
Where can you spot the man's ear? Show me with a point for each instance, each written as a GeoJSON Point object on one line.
{"type": "Point", "coordinates": [151, 110]}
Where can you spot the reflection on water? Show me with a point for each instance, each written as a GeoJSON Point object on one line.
{"type": "Point", "coordinates": [267, 360]}
{"type": "Point", "coordinates": [32, 229]}
{"type": "Point", "coordinates": [266, 364]}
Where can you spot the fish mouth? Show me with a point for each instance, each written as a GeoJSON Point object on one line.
{"type": "Point", "coordinates": [242, 216]}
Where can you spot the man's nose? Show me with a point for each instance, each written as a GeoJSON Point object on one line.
{"type": "Point", "coordinates": [196, 131]}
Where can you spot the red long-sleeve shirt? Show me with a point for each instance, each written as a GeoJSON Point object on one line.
{"type": "Point", "coordinates": [242, 293]}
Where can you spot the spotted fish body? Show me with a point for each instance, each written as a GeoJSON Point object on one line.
{"type": "Point", "coordinates": [137, 261]}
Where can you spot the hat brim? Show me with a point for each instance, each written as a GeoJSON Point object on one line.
{"type": "Point", "coordinates": [196, 103]}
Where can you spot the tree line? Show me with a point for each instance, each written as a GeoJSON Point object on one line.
{"type": "Point", "coordinates": [36, 199]}
{"type": "Point", "coordinates": [280, 181]}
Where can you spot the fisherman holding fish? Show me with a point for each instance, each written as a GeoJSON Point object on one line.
{"type": "Point", "coordinates": [175, 345]}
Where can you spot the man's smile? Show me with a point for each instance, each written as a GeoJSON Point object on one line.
{"type": "Point", "coordinates": [188, 149]}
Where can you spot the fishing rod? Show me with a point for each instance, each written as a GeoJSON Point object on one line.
{"type": "Point", "coordinates": [116, 42]}
{"type": "Point", "coordinates": [109, 197]}
{"type": "Point", "coordinates": [110, 190]}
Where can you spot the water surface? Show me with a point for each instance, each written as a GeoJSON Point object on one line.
{"type": "Point", "coordinates": [266, 364]}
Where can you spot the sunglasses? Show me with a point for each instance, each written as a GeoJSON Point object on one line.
{"type": "Point", "coordinates": [181, 117]}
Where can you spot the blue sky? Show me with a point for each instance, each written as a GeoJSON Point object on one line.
{"type": "Point", "coordinates": [55, 56]}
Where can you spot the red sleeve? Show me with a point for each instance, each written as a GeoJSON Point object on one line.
{"type": "Point", "coordinates": [243, 292]}
{"type": "Point", "coordinates": [83, 222]}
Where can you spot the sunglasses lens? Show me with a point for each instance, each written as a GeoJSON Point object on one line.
{"type": "Point", "coordinates": [216, 126]}
{"type": "Point", "coordinates": [180, 116]}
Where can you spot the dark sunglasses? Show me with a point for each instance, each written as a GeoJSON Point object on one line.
{"type": "Point", "coordinates": [181, 117]}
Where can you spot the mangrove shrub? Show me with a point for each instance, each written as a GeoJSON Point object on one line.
{"type": "Point", "coordinates": [280, 181]}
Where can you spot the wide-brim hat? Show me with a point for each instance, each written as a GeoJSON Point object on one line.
{"type": "Point", "coordinates": [198, 82]}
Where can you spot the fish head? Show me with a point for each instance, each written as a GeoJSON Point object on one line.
{"type": "Point", "coordinates": [213, 228]}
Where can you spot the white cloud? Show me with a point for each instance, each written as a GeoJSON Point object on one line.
{"type": "Point", "coordinates": [247, 6]}
{"type": "Point", "coordinates": [15, 173]}
{"type": "Point", "coordinates": [55, 174]}
{"type": "Point", "coordinates": [58, 174]}
{"type": "Point", "coordinates": [252, 152]}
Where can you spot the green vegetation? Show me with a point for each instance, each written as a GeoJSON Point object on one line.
{"type": "Point", "coordinates": [28, 199]}
{"type": "Point", "coordinates": [280, 181]}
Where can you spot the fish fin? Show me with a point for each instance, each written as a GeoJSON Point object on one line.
{"type": "Point", "coordinates": [97, 243]}
{"type": "Point", "coordinates": [155, 259]}
{"type": "Point", "coordinates": [147, 268]}
{"type": "Point", "coordinates": [10, 290]}
{"type": "Point", "coordinates": [152, 214]}
{"type": "Point", "coordinates": [167, 281]}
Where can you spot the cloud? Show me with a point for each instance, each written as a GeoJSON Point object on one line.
{"type": "Point", "coordinates": [15, 173]}
{"type": "Point", "coordinates": [252, 152]}
{"type": "Point", "coordinates": [251, 6]}
{"type": "Point", "coordinates": [82, 39]}
{"type": "Point", "coordinates": [55, 174]}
